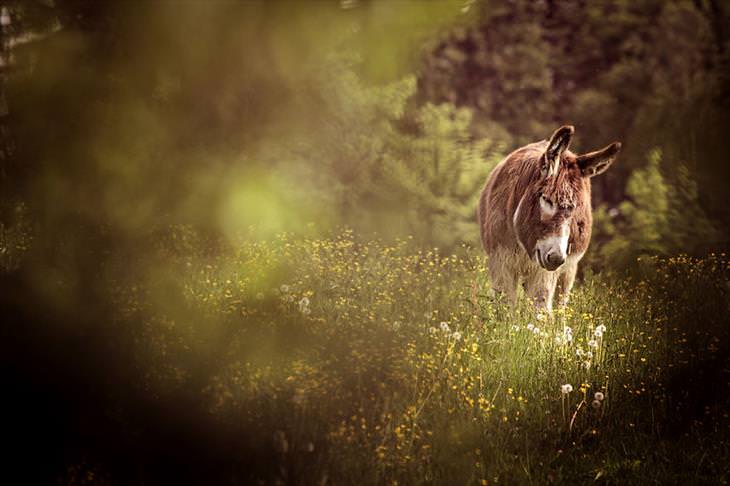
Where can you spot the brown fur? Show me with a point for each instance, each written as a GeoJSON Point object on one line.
{"type": "Point", "coordinates": [519, 181]}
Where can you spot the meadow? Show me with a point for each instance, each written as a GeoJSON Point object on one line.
{"type": "Point", "coordinates": [361, 362]}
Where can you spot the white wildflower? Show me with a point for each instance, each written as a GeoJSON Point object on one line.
{"type": "Point", "coordinates": [515, 327]}
{"type": "Point", "coordinates": [530, 326]}
{"type": "Point", "coordinates": [599, 396]}
{"type": "Point", "coordinates": [592, 343]}
{"type": "Point", "coordinates": [456, 336]}
{"type": "Point", "coordinates": [536, 330]}
{"type": "Point", "coordinates": [602, 328]}
{"type": "Point", "coordinates": [579, 352]}
{"type": "Point", "coordinates": [589, 354]}
{"type": "Point", "coordinates": [596, 404]}
{"type": "Point", "coordinates": [598, 333]}
{"type": "Point", "coordinates": [567, 388]}
{"type": "Point", "coordinates": [444, 326]}
{"type": "Point", "coordinates": [304, 305]}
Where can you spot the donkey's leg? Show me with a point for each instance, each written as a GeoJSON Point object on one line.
{"type": "Point", "coordinates": [565, 283]}
{"type": "Point", "coordinates": [540, 288]}
{"type": "Point", "coordinates": [504, 279]}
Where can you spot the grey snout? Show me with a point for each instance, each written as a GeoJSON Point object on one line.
{"type": "Point", "coordinates": [553, 260]}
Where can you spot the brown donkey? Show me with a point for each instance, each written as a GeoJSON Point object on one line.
{"type": "Point", "coordinates": [535, 216]}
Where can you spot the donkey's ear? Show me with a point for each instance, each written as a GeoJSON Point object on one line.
{"type": "Point", "coordinates": [559, 143]}
{"type": "Point", "coordinates": [594, 163]}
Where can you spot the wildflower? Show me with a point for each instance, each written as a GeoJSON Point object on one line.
{"type": "Point", "coordinates": [530, 326]}
{"type": "Point", "coordinates": [444, 326]}
{"type": "Point", "coordinates": [304, 306]}
{"type": "Point", "coordinates": [596, 404]}
{"type": "Point", "coordinates": [589, 354]}
{"type": "Point", "coordinates": [592, 343]}
{"type": "Point", "coordinates": [515, 327]}
{"type": "Point", "coordinates": [579, 352]}
{"type": "Point", "coordinates": [598, 332]}
{"type": "Point", "coordinates": [284, 289]}
{"type": "Point", "coordinates": [602, 328]}
{"type": "Point", "coordinates": [432, 330]}
{"type": "Point", "coordinates": [599, 396]}
{"type": "Point", "coordinates": [456, 336]}
{"type": "Point", "coordinates": [536, 330]}
{"type": "Point", "coordinates": [567, 388]}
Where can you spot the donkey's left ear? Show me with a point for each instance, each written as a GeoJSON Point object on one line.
{"type": "Point", "coordinates": [559, 143]}
{"type": "Point", "coordinates": [594, 163]}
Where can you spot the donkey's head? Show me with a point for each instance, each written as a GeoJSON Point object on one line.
{"type": "Point", "coordinates": [555, 208]}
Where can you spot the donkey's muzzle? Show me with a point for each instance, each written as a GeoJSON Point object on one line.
{"type": "Point", "coordinates": [553, 260]}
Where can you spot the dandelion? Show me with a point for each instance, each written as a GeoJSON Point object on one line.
{"type": "Point", "coordinates": [602, 328]}
{"type": "Point", "coordinates": [599, 396]}
{"type": "Point", "coordinates": [589, 354]}
{"type": "Point", "coordinates": [579, 352]}
{"type": "Point", "coordinates": [515, 327]}
{"type": "Point", "coordinates": [598, 332]}
{"type": "Point", "coordinates": [444, 326]}
{"type": "Point", "coordinates": [567, 388]}
{"type": "Point", "coordinates": [456, 336]}
{"type": "Point", "coordinates": [596, 404]}
{"type": "Point", "coordinates": [530, 326]}
{"type": "Point", "coordinates": [536, 330]}
{"type": "Point", "coordinates": [592, 343]}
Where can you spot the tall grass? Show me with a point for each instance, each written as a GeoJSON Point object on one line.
{"type": "Point", "coordinates": [368, 363]}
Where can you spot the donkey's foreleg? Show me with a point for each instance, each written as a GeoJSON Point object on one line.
{"type": "Point", "coordinates": [504, 281]}
{"type": "Point", "coordinates": [540, 288]}
{"type": "Point", "coordinates": [565, 283]}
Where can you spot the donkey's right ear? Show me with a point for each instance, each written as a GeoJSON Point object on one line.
{"type": "Point", "coordinates": [559, 143]}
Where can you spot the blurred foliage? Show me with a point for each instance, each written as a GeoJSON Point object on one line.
{"type": "Point", "coordinates": [661, 216]}
{"type": "Point", "coordinates": [382, 116]}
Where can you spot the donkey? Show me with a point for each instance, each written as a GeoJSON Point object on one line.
{"type": "Point", "coordinates": [535, 217]}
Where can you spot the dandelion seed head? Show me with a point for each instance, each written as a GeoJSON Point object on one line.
{"type": "Point", "coordinates": [530, 326]}
{"type": "Point", "coordinates": [444, 326]}
{"type": "Point", "coordinates": [599, 396]}
{"type": "Point", "coordinates": [592, 343]}
{"type": "Point", "coordinates": [567, 388]}
{"type": "Point", "coordinates": [596, 404]}
{"type": "Point", "coordinates": [456, 336]}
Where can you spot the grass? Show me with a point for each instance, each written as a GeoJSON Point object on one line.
{"type": "Point", "coordinates": [364, 363]}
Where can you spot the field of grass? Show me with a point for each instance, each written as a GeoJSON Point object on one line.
{"type": "Point", "coordinates": [357, 362]}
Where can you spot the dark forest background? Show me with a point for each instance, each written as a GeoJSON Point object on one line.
{"type": "Point", "coordinates": [131, 129]}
